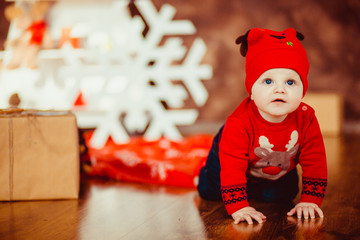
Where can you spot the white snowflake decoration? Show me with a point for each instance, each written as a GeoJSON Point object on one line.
{"type": "Point", "coordinates": [118, 70]}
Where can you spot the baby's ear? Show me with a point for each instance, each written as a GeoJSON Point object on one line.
{"type": "Point", "coordinates": [243, 40]}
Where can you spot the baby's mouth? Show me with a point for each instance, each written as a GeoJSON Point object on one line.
{"type": "Point", "coordinates": [279, 100]}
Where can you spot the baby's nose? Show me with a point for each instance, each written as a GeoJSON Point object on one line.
{"type": "Point", "coordinates": [279, 88]}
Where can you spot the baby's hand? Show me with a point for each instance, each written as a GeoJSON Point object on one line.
{"type": "Point", "coordinates": [247, 214]}
{"type": "Point", "coordinates": [305, 209]}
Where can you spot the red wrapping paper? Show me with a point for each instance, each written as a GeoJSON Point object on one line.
{"type": "Point", "coordinates": [164, 162]}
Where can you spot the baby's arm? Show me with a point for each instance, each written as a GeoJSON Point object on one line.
{"type": "Point", "coordinates": [306, 209]}
{"type": "Point", "coordinates": [314, 177]}
{"type": "Point", "coordinates": [248, 214]}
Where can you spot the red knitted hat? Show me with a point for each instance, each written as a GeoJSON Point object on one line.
{"type": "Point", "coordinates": [269, 49]}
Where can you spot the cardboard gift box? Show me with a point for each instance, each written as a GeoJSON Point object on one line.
{"type": "Point", "coordinates": [39, 155]}
{"type": "Point", "coordinates": [328, 110]}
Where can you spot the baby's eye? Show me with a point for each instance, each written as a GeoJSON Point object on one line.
{"type": "Point", "coordinates": [268, 81]}
{"type": "Point", "coordinates": [290, 82]}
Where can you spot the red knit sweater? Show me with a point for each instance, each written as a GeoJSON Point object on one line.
{"type": "Point", "coordinates": [251, 145]}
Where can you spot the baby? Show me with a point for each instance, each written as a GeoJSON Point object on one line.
{"type": "Point", "coordinates": [254, 155]}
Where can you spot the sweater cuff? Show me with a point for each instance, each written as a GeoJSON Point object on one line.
{"type": "Point", "coordinates": [313, 190]}
{"type": "Point", "coordinates": [234, 197]}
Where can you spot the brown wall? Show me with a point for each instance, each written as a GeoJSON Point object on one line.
{"type": "Point", "coordinates": [331, 30]}
{"type": "Point", "coordinates": [4, 25]}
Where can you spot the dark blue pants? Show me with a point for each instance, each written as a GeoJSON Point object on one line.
{"type": "Point", "coordinates": [284, 189]}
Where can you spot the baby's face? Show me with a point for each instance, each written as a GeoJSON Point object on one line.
{"type": "Point", "coordinates": [276, 93]}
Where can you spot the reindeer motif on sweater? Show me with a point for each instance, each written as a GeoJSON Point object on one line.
{"type": "Point", "coordinates": [274, 164]}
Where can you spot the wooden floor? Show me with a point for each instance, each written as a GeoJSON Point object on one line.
{"type": "Point", "coordinates": [114, 210]}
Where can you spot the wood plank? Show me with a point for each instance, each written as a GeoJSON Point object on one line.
{"type": "Point", "coordinates": [116, 210]}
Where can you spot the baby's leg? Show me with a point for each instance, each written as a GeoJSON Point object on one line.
{"type": "Point", "coordinates": [209, 177]}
